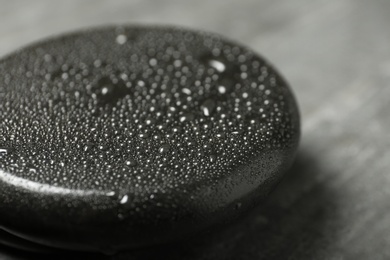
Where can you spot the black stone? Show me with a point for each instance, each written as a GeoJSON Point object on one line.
{"type": "Point", "coordinates": [119, 138]}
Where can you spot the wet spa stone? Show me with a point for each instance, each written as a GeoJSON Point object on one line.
{"type": "Point", "coordinates": [124, 137]}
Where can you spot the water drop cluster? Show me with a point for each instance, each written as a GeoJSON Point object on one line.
{"type": "Point", "coordinates": [142, 111]}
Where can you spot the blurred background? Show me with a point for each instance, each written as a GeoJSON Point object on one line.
{"type": "Point", "coordinates": [335, 201]}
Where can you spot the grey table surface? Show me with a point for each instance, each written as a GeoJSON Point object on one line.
{"type": "Point", "coordinates": [335, 201]}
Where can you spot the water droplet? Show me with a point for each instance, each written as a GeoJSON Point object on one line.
{"type": "Point", "coordinates": [164, 148]}
{"type": "Point", "coordinates": [131, 162]}
{"type": "Point", "coordinates": [111, 194]}
{"type": "Point", "coordinates": [218, 65]}
{"type": "Point", "coordinates": [110, 92]}
{"type": "Point", "coordinates": [47, 57]}
{"type": "Point", "coordinates": [121, 39]}
{"type": "Point", "coordinates": [222, 89]}
{"type": "Point", "coordinates": [124, 199]}
{"type": "Point", "coordinates": [186, 91]}
{"type": "Point", "coordinates": [208, 107]}
{"type": "Point", "coordinates": [143, 135]}
{"type": "Point", "coordinates": [97, 63]}
{"type": "Point", "coordinates": [89, 146]}
{"type": "Point", "coordinates": [31, 168]}
{"type": "Point", "coordinates": [177, 63]}
{"type": "Point", "coordinates": [176, 130]}
{"type": "Point", "coordinates": [220, 135]}
{"type": "Point", "coordinates": [150, 121]}
{"type": "Point", "coordinates": [152, 62]}
{"type": "Point", "coordinates": [187, 117]}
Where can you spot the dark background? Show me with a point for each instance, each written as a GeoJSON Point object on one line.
{"type": "Point", "coordinates": [335, 201]}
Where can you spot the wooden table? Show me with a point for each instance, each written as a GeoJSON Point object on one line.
{"type": "Point", "coordinates": [335, 201]}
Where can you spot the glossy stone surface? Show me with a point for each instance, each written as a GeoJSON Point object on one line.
{"type": "Point", "coordinates": [124, 137]}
